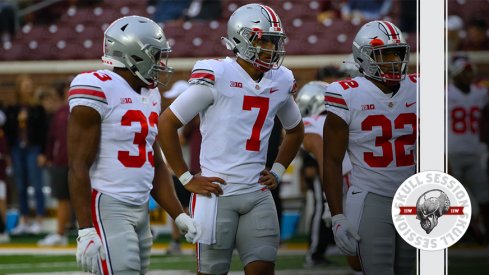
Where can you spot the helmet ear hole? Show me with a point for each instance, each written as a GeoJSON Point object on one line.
{"type": "Point", "coordinates": [117, 53]}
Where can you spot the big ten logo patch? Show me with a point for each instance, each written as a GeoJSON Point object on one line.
{"type": "Point", "coordinates": [431, 210]}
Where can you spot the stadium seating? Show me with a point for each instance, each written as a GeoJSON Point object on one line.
{"type": "Point", "coordinates": [78, 33]}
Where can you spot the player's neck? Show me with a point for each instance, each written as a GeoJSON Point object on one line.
{"type": "Point", "coordinates": [462, 87]}
{"type": "Point", "coordinates": [385, 88]}
{"type": "Point", "coordinates": [255, 74]}
{"type": "Point", "coordinates": [133, 81]}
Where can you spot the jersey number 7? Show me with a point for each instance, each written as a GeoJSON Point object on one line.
{"type": "Point", "coordinates": [262, 103]}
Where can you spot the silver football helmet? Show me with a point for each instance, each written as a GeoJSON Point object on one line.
{"type": "Point", "coordinates": [310, 98]}
{"type": "Point", "coordinates": [371, 40]}
{"type": "Point", "coordinates": [459, 62]}
{"type": "Point", "coordinates": [138, 44]}
{"type": "Point", "coordinates": [251, 23]}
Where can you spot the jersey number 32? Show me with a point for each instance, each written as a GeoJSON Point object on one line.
{"type": "Point", "coordinates": [389, 148]}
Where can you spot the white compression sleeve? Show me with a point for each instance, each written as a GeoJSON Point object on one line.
{"type": "Point", "coordinates": [193, 100]}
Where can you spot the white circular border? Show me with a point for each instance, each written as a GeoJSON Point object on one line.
{"type": "Point", "coordinates": [420, 239]}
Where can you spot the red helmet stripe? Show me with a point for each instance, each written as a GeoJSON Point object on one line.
{"type": "Point", "coordinates": [274, 17]}
{"type": "Point", "coordinates": [391, 29]}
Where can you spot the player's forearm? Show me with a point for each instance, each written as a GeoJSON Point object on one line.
{"type": "Point", "coordinates": [290, 145]}
{"type": "Point", "coordinates": [163, 191]}
{"type": "Point", "coordinates": [170, 144]}
{"type": "Point", "coordinates": [313, 144]}
{"type": "Point", "coordinates": [164, 194]}
{"type": "Point", "coordinates": [80, 195]}
{"type": "Point", "coordinates": [333, 185]}
{"type": "Point", "coordinates": [168, 200]}
{"type": "Point", "coordinates": [83, 139]}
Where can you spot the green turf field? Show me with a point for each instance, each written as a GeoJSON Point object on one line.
{"type": "Point", "coordinates": [65, 263]}
{"type": "Point", "coordinates": [462, 260]}
{"type": "Point", "coordinates": [58, 263]}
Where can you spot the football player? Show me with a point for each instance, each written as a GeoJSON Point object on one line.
{"type": "Point", "coordinates": [114, 159]}
{"type": "Point", "coordinates": [373, 118]}
{"type": "Point", "coordinates": [310, 100]}
{"type": "Point", "coordinates": [237, 99]}
{"type": "Point", "coordinates": [466, 100]}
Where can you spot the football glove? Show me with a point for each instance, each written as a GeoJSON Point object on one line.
{"type": "Point", "coordinates": [89, 249]}
{"type": "Point", "coordinates": [345, 236]}
{"type": "Point", "coordinates": [189, 227]}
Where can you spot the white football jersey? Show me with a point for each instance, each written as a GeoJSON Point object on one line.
{"type": "Point", "coordinates": [236, 127]}
{"type": "Point", "coordinates": [464, 112]}
{"type": "Point", "coordinates": [124, 166]}
{"type": "Point", "coordinates": [382, 131]}
{"type": "Point", "coordinates": [314, 125]}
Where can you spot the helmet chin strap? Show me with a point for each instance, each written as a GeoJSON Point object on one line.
{"type": "Point", "coordinates": [260, 65]}
{"type": "Point", "coordinates": [260, 68]}
{"type": "Point", "coordinates": [151, 84]}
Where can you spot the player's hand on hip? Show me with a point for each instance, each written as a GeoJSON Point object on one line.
{"type": "Point", "coordinates": [269, 179]}
{"type": "Point", "coordinates": [345, 235]}
{"type": "Point", "coordinates": [188, 226]}
{"type": "Point", "coordinates": [89, 249]}
{"type": "Point", "coordinates": [205, 185]}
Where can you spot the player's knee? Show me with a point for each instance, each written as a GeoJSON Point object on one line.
{"type": "Point", "coordinates": [218, 268]}
{"type": "Point", "coordinates": [354, 263]}
{"type": "Point", "coordinates": [145, 253]}
{"type": "Point", "coordinates": [128, 259]}
{"type": "Point", "coordinates": [129, 263]}
{"type": "Point", "coordinates": [266, 253]}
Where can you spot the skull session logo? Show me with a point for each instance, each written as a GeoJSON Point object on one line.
{"type": "Point", "coordinates": [428, 210]}
{"type": "Point", "coordinates": [431, 210]}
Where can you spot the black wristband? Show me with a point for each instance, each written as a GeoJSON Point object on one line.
{"type": "Point", "coordinates": [81, 228]}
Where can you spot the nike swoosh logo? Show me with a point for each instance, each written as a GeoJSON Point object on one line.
{"type": "Point", "coordinates": [154, 103]}
{"type": "Point", "coordinates": [273, 90]}
{"type": "Point", "coordinates": [410, 104]}
{"type": "Point", "coordinates": [88, 245]}
{"type": "Point", "coordinates": [354, 193]}
{"type": "Point", "coordinates": [337, 227]}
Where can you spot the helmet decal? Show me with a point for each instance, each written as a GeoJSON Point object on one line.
{"type": "Point", "coordinates": [273, 18]}
{"type": "Point", "coordinates": [390, 30]}
{"type": "Point", "coordinates": [375, 42]}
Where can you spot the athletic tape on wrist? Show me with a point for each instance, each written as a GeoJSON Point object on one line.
{"type": "Point", "coordinates": [278, 171]}
{"type": "Point", "coordinates": [185, 178]}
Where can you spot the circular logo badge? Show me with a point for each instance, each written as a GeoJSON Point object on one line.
{"type": "Point", "coordinates": [431, 210]}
